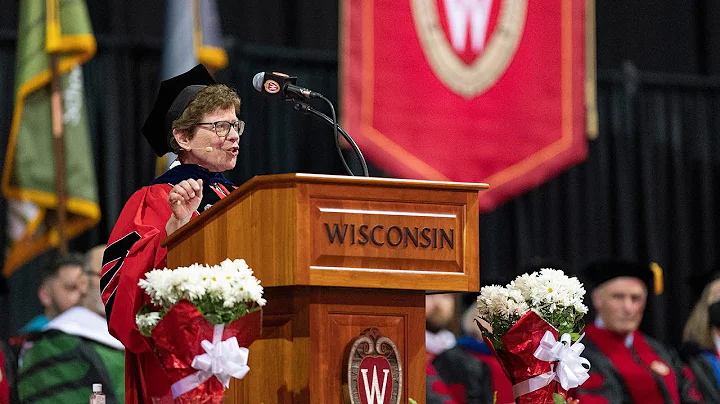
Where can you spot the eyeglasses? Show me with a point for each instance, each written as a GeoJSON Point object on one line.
{"type": "Point", "coordinates": [222, 128]}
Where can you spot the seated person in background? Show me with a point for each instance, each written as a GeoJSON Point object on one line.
{"type": "Point", "coordinates": [6, 363]}
{"type": "Point", "coordinates": [74, 351]}
{"type": "Point", "coordinates": [701, 341]}
{"type": "Point", "coordinates": [470, 370]}
{"type": "Point", "coordinates": [61, 286]}
{"type": "Point", "coordinates": [439, 316]}
{"type": "Point", "coordinates": [628, 366]}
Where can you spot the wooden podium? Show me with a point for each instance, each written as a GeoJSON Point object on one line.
{"type": "Point", "coordinates": [337, 255]}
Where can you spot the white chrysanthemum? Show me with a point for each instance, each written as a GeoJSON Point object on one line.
{"type": "Point", "coordinates": [158, 284]}
{"type": "Point", "coordinates": [230, 283]}
{"type": "Point", "coordinates": [563, 291]}
{"type": "Point", "coordinates": [490, 298]}
{"type": "Point", "coordinates": [219, 286]}
{"type": "Point", "coordinates": [498, 301]}
{"type": "Point", "coordinates": [516, 305]}
{"type": "Point", "coordinates": [526, 284]}
{"type": "Point", "coordinates": [550, 293]}
{"type": "Point", "coordinates": [550, 289]}
{"type": "Point", "coordinates": [191, 287]}
{"type": "Point", "coordinates": [147, 321]}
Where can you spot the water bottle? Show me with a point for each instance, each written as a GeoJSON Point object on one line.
{"type": "Point", "coordinates": [97, 396]}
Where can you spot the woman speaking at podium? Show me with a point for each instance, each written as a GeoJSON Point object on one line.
{"type": "Point", "coordinates": [197, 119]}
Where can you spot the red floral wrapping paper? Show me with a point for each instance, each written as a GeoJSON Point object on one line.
{"type": "Point", "coordinates": [519, 363]}
{"type": "Point", "coordinates": [177, 341]}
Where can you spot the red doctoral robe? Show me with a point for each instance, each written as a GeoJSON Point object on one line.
{"type": "Point", "coordinates": [646, 372]}
{"type": "Point", "coordinates": [132, 250]}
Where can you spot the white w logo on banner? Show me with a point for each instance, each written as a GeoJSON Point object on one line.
{"type": "Point", "coordinates": [370, 393]}
{"type": "Point", "coordinates": [459, 14]}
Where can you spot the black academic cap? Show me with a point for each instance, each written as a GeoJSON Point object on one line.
{"type": "Point", "coordinates": [650, 274]}
{"type": "Point", "coordinates": [174, 96]}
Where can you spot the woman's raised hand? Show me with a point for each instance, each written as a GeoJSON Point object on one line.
{"type": "Point", "coordinates": [184, 199]}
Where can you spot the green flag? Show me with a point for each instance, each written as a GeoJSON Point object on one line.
{"type": "Point", "coordinates": [28, 178]}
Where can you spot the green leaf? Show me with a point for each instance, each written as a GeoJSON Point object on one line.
{"type": "Point", "coordinates": [411, 401]}
{"type": "Point", "coordinates": [558, 399]}
{"type": "Point", "coordinates": [213, 319]}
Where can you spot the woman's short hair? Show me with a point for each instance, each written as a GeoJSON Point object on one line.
{"type": "Point", "coordinates": [207, 100]}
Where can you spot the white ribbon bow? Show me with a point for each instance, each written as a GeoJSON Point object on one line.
{"type": "Point", "coordinates": [222, 359]}
{"type": "Point", "coordinates": [572, 369]}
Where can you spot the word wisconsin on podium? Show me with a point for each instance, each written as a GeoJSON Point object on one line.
{"type": "Point", "coordinates": [472, 91]}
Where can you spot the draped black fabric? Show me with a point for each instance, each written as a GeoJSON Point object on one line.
{"type": "Point", "coordinates": [648, 190]}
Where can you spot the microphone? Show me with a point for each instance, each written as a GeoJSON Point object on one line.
{"type": "Point", "coordinates": [207, 149]}
{"type": "Point", "coordinates": [280, 84]}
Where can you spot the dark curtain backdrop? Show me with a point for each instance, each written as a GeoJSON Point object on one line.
{"type": "Point", "coordinates": [647, 190]}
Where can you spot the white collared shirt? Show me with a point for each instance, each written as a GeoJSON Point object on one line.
{"type": "Point", "coordinates": [84, 323]}
{"type": "Point", "coordinates": [437, 343]}
{"type": "Point", "coordinates": [629, 339]}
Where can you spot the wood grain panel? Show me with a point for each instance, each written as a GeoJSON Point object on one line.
{"type": "Point", "coordinates": [268, 225]}
{"type": "Point", "coordinates": [389, 279]}
{"type": "Point", "coordinates": [259, 229]}
{"type": "Point", "coordinates": [279, 360]}
{"type": "Point", "coordinates": [344, 316]}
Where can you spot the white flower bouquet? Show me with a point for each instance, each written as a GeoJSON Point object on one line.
{"type": "Point", "coordinates": [202, 319]}
{"type": "Point", "coordinates": [531, 325]}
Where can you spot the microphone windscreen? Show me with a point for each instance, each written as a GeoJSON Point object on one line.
{"type": "Point", "coordinates": [258, 81]}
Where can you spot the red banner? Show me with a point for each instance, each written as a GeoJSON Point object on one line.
{"type": "Point", "coordinates": [466, 90]}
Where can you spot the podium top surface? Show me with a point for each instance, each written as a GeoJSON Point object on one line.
{"type": "Point", "coordinates": [370, 181]}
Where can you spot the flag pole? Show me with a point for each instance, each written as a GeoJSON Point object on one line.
{"type": "Point", "coordinates": [58, 151]}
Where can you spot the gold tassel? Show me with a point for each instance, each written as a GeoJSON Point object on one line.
{"type": "Point", "coordinates": [658, 277]}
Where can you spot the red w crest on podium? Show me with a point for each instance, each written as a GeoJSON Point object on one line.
{"type": "Point", "coordinates": [374, 370]}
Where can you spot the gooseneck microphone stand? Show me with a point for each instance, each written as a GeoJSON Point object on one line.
{"type": "Point", "coordinates": [309, 110]}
